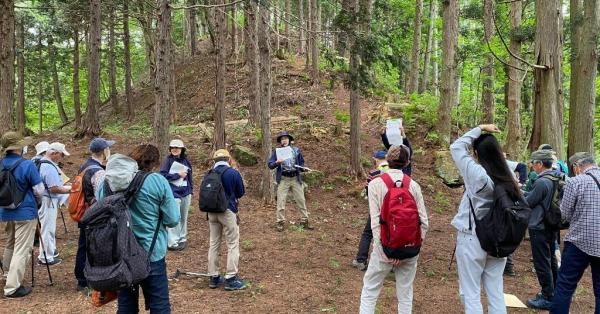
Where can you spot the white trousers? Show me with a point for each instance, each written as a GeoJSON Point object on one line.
{"type": "Point", "coordinates": [375, 276]}
{"type": "Point", "coordinates": [179, 233]}
{"type": "Point", "coordinates": [477, 268]}
{"type": "Point", "coordinates": [48, 214]}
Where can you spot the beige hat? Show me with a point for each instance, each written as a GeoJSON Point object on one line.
{"type": "Point", "coordinates": [58, 147]}
{"type": "Point", "coordinates": [221, 153]}
{"type": "Point", "coordinates": [177, 143]}
{"type": "Point", "coordinates": [13, 141]}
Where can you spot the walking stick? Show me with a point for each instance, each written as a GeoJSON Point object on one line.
{"type": "Point", "coordinates": [32, 272]}
{"type": "Point", "coordinates": [43, 247]}
{"type": "Point", "coordinates": [63, 219]}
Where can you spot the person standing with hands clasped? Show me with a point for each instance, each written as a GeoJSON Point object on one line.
{"type": "Point", "coordinates": [182, 187]}
{"type": "Point", "coordinates": [394, 194]}
{"type": "Point", "coordinates": [288, 177]}
{"type": "Point", "coordinates": [481, 172]}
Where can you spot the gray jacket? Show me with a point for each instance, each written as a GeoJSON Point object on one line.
{"type": "Point", "coordinates": [540, 199]}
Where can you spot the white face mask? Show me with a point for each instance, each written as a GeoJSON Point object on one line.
{"type": "Point", "coordinates": [24, 150]}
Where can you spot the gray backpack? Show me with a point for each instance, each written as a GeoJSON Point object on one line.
{"type": "Point", "coordinates": [115, 259]}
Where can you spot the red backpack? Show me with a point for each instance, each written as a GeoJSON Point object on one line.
{"type": "Point", "coordinates": [399, 220]}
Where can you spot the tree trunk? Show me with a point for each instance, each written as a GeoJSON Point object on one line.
{"type": "Point", "coordinates": [548, 119]}
{"type": "Point", "coordinates": [301, 40]}
{"type": "Point", "coordinates": [435, 73]}
{"type": "Point", "coordinates": [20, 112]}
{"type": "Point", "coordinates": [413, 76]}
{"type": "Point", "coordinates": [513, 94]}
{"type": "Point", "coordinates": [288, 10]}
{"type": "Point", "coordinates": [234, 31]}
{"type": "Point", "coordinates": [162, 81]}
{"type": "Point", "coordinates": [7, 65]}
{"type": "Point", "coordinates": [145, 17]}
{"type": "Point", "coordinates": [55, 81]}
{"type": "Point", "coordinates": [91, 127]}
{"type": "Point", "coordinates": [219, 115]}
{"type": "Point", "coordinates": [191, 28]}
{"type": "Point", "coordinates": [76, 92]}
{"type": "Point", "coordinates": [112, 66]}
{"type": "Point", "coordinates": [266, 84]}
{"type": "Point", "coordinates": [448, 86]}
{"type": "Point", "coordinates": [581, 111]}
{"type": "Point", "coordinates": [487, 95]}
{"type": "Point", "coordinates": [576, 17]}
{"type": "Point", "coordinates": [315, 41]}
{"type": "Point", "coordinates": [253, 61]}
{"type": "Point", "coordinates": [309, 34]}
{"type": "Point", "coordinates": [276, 22]}
{"type": "Point", "coordinates": [127, 61]}
{"type": "Point", "coordinates": [430, 34]}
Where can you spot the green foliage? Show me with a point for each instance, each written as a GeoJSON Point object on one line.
{"type": "Point", "coordinates": [342, 116]}
{"type": "Point", "coordinates": [334, 263]}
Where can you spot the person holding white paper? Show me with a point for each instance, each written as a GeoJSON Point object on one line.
{"type": "Point", "coordinates": [288, 177]}
{"type": "Point", "coordinates": [177, 169]}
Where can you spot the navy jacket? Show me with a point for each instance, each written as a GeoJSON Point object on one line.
{"type": "Point", "coordinates": [233, 185]}
{"type": "Point", "coordinates": [272, 163]}
{"type": "Point", "coordinates": [88, 188]}
{"type": "Point", "coordinates": [408, 169]}
{"type": "Point", "coordinates": [178, 191]}
{"type": "Point", "coordinates": [540, 199]}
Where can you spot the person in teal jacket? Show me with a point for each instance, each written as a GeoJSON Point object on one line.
{"type": "Point", "coordinates": [153, 204]}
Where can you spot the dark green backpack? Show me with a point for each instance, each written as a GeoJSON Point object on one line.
{"type": "Point", "coordinates": [553, 218]}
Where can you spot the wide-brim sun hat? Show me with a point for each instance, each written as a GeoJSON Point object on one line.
{"type": "Point", "coordinates": [286, 134]}
{"type": "Point", "coordinates": [177, 144]}
{"type": "Point", "coordinates": [41, 147]}
{"type": "Point", "coordinates": [221, 153]}
{"type": "Point", "coordinates": [14, 141]}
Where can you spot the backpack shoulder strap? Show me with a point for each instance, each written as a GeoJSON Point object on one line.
{"type": "Point", "coordinates": [90, 167]}
{"type": "Point", "coordinates": [15, 165]}
{"type": "Point", "coordinates": [387, 179]}
{"type": "Point", "coordinates": [406, 182]}
{"type": "Point", "coordinates": [155, 236]}
{"type": "Point", "coordinates": [595, 180]}
{"type": "Point", "coordinates": [136, 185]}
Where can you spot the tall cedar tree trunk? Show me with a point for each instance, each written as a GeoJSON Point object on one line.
{"type": "Point", "coordinates": [342, 37]}
{"type": "Point", "coordinates": [234, 30]}
{"type": "Point", "coordinates": [576, 16]}
{"type": "Point", "coordinates": [219, 115]}
{"type": "Point", "coordinates": [7, 65]}
{"type": "Point", "coordinates": [288, 10]}
{"type": "Point", "coordinates": [20, 112]}
{"type": "Point", "coordinates": [276, 12]}
{"type": "Point", "coordinates": [427, 61]}
{"type": "Point", "coordinates": [487, 93]}
{"type": "Point", "coordinates": [191, 28]}
{"type": "Point", "coordinates": [90, 126]}
{"type": "Point", "coordinates": [301, 37]}
{"type": "Point", "coordinates": [435, 73]}
{"type": "Point", "coordinates": [548, 119]}
{"type": "Point", "coordinates": [513, 94]}
{"type": "Point", "coordinates": [413, 76]}
{"type": "Point", "coordinates": [266, 84]}
{"type": "Point", "coordinates": [309, 34]}
{"type": "Point", "coordinates": [253, 61]}
{"type": "Point", "coordinates": [55, 80]}
{"type": "Point", "coordinates": [448, 88]}
{"type": "Point", "coordinates": [76, 92]}
{"type": "Point", "coordinates": [581, 111]}
{"type": "Point", "coordinates": [162, 81]}
{"type": "Point", "coordinates": [127, 61]}
{"type": "Point", "coordinates": [112, 66]}
{"type": "Point", "coordinates": [315, 41]}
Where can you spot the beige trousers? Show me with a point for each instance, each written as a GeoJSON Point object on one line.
{"type": "Point", "coordinates": [19, 243]}
{"type": "Point", "coordinates": [283, 188]}
{"type": "Point", "coordinates": [218, 224]}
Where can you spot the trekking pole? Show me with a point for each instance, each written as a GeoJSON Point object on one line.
{"type": "Point", "coordinates": [32, 271]}
{"type": "Point", "coordinates": [63, 219]}
{"type": "Point", "coordinates": [42, 246]}
{"type": "Point", "coordinates": [452, 258]}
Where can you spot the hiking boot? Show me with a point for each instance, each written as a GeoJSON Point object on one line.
{"type": "Point", "coordinates": [215, 281]}
{"type": "Point", "coordinates": [234, 283]}
{"type": "Point", "coordinates": [20, 292]}
{"type": "Point", "coordinates": [306, 226]}
{"type": "Point", "coordinates": [539, 302]}
{"type": "Point", "coordinates": [362, 266]}
{"type": "Point", "coordinates": [509, 271]}
{"type": "Point", "coordinates": [280, 226]}
{"type": "Point", "coordinates": [55, 261]}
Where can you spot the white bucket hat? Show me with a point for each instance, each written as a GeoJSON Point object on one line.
{"type": "Point", "coordinates": [41, 147]}
{"type": "Point", "coordinates": [177, 143]}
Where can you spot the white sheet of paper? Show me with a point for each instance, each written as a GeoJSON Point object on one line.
{"type": "Point", "coordinates": [511, 300]}
{"type": "Point", "coordinates": [284, 153]}
{"type": "Point", "coordinates": [392, 131]}
{"type": "Point", "coordinates": [177, 167]}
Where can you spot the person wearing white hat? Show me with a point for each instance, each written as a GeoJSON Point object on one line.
{"type": "Point", "coordinates": [40, 150]}
{"type": "Point", "coordinates": [55, 187]}
{"type": "Point", "coordinates": [177, 169]}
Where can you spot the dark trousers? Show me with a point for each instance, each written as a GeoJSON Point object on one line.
{"type": "Point", "coordinates": [544, 260]}
{"type": "Point", "coordinates": [365, 243]}
{"type": "Point", "coordinates": [156, 292]}
{"type": "Point", "coordinates": [510, 263]}
{"type": "Point", "coordinates": [80, 259]}
{"type": "Point", "coordinates": [574, 264]}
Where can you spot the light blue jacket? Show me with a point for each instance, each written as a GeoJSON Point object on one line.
{"type": "Point", "coordinates": [154, 198]}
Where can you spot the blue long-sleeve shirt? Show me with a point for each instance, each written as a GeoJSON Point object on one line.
{"type": "Point", "coordinates": [178, 191]}
{"type": "Point", "coordinates": [233, 185]}
{"type": "Point", "coordinates": [272, 163]}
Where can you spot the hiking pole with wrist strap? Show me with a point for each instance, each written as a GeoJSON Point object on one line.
{"type": "Point", "coordinates": [63, 219]}
{"type": "Point", "coordinates": [42, 246]}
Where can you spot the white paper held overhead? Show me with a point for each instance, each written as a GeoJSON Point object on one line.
{"type": "Point", "coordinates": [392, 131]}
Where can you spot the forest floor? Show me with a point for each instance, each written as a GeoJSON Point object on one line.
{"type": "Point", "coordinates": [295, 271]}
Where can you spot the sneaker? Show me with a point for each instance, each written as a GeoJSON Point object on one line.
{"type": "Point", "coordinates": [280, 226]}
{"type": "Point", "coordinates": [173, 248]}
{"type": "Point", "coordinates": [539, 302]}
{"type": "Point", "coordinates": [181, 246]}
{"type": "Point", "coordinates": [215, 281]}
{"type": "Point", "coordinates": [55, 255]}
{"type": "Point", "coordinates": [306, 226]}
{"type": "Point", "coordinates": [55, 261]}
{"type": "Point", "coordinates": [362, 266]}
{"type": "Point", "coordinates": [234, 283]}
{"type": "Point", "coordinates": [20, 292]}
{"type": "Point", "coordinates": [509, 271]}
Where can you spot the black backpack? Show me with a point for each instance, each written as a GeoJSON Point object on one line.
{"type": "Point", "coordinates": [212, 193]}
{"type": "Point", "coordinates": [10, 194]}
{"type": "Point", "coordinates": [502, 229]}
{"type": "Point", "coordinates": [553, 217]}
{"type": "Point", "coordinates": [115, 259]}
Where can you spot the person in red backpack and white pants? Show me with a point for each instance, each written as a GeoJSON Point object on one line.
{"type": "Point", "coordinates": [379, 264]}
